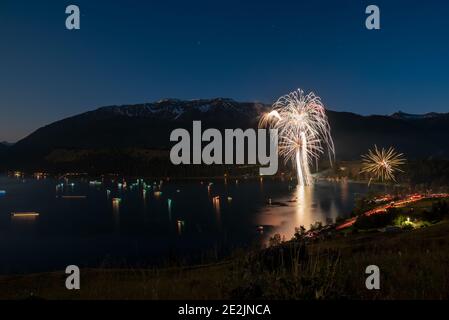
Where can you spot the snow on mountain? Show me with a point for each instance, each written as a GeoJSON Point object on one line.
{"type": "Point", "coordinates": [409, 116]}
{"type": "Point", "coordinates": [175, 109]}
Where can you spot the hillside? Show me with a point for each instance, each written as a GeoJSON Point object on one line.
{"type": "Point", "coordinates": [3, 147]}
{"type": "Point", "coordinates": [333, 269]}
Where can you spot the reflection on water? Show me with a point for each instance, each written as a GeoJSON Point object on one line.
{"type": "Point", "coordinates": [169, 201]}
{"type": "Point", "coordinates": [180, 226]}
{"type": "Point", "coordinates": [305, 205]}
{"type": "Point", "coordinates": [287, 213]}
{"type": "Point", "coordinates": [24, 223]}
{"type": "Point", "coordinates": [143, 221]}
{"type": "Point", "coordinates": [116, 212]}
{"type": "Point", "coordinates": [24, 218]}
{"type": "Point", "coordinates": [216, 205]}
{"type": "Point", "coordinates": [304, 196]}
{"type": "Point", "coordinates": [344, 190]}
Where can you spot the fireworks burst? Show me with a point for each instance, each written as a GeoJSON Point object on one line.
{"type": "Point", "coordinates": [382, 164]}
{"type": "Point", "coordinates": [303, 131]}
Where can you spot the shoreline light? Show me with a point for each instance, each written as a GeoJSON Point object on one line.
{"type": "Point", "coordinates": [72, 197]}
{"type": "Point", "coordinates": [157, 194]}
{"type": "Point", "coordinates": [24, 214]}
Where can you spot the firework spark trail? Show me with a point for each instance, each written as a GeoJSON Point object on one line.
{"type": "Point", "coordinates": [382, 164]}
{"type": "Point", "coordinates": [303, 131]}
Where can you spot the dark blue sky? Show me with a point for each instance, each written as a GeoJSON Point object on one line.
{"type": "Point", "coordinates": [131, 51]}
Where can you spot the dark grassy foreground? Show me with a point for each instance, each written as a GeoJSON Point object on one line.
{"type": "Point", "coordinates": [413, 264]}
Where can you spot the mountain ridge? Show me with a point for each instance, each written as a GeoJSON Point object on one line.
{"type": "Point", "coordinates": [411, 116]}
{"type": "Point", "coordinates": [147, 126]}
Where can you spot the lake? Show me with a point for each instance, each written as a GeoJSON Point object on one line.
{"type": "Point", "coordinates": [109, 223]}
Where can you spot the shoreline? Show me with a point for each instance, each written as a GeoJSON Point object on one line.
{"type": "Point", "coordinates": [281, 176]}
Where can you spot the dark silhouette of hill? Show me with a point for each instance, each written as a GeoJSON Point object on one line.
{"type": "Point", "coordinates": [3, 147]}
{"type": "Point", "coordinates": [119, 138]}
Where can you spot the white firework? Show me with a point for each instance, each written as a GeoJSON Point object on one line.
{"type": "Point", "coordinates": [303, 130]}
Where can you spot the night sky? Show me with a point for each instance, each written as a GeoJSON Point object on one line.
{"type": "Point", "coordinates": [132, 51]}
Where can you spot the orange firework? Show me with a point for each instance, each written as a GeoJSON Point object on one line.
{"type": "Point", "coordinates": [383, 163]}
